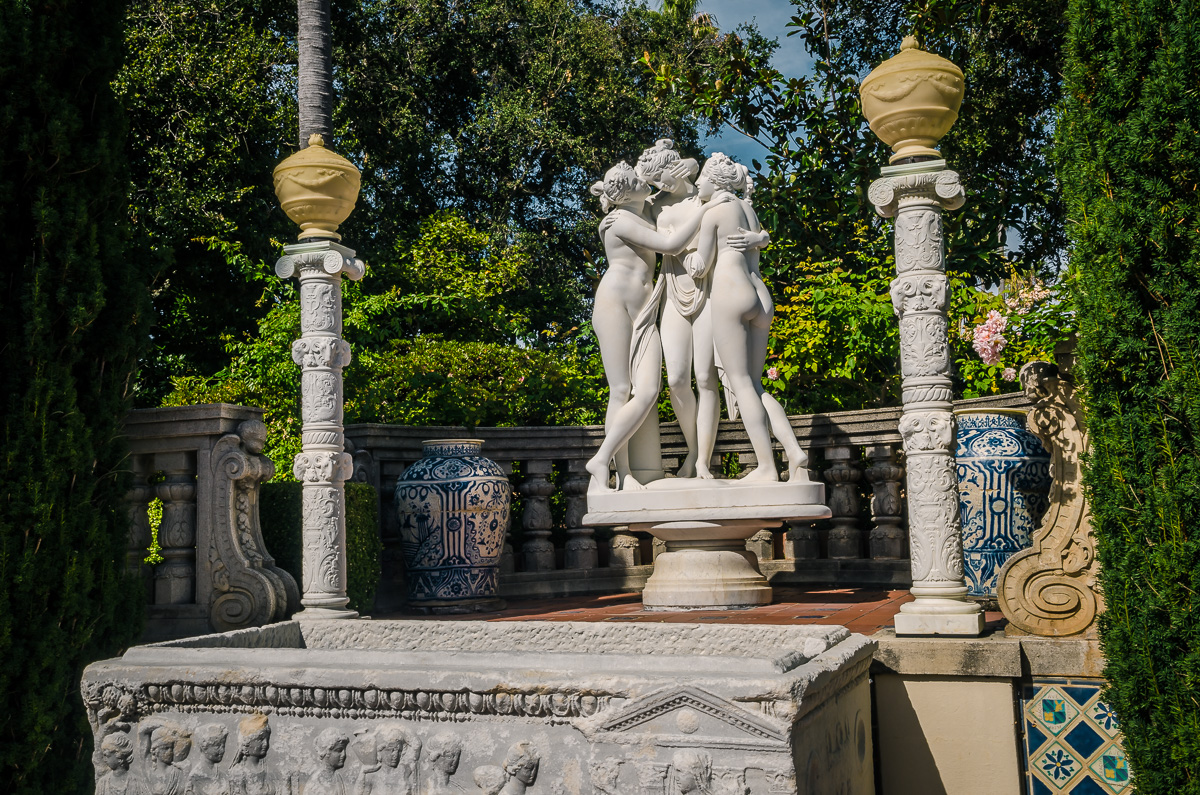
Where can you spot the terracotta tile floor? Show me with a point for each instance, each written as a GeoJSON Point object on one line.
{"type": "Point", "coordinates": [864, 610]}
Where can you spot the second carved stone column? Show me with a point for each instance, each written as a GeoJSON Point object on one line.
{"type": "Point", "coordinates": [323, 466]}
{"type": "Point", "coordinates": [915, 194]}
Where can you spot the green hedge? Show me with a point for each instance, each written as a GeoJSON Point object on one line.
{"type": "Point", "coordinates": [74, 326]}
{"type": "Point", "coordinates": [1129, 149]}
{"type": "Point", "coordinates": [280, 516]}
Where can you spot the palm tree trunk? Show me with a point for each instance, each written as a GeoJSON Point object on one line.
{"type": "Point", "coordinates": [316, 70]}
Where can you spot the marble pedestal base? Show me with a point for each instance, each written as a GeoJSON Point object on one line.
{"type": "Point", "coordinates": [568, 708]}
{"type": "Point", "coordinates": [706, 565]}
{"type": "Point", "coordinates": [705, 524]}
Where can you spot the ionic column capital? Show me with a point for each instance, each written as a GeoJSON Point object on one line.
{"type": "Point", "coordinates": [925, 183]}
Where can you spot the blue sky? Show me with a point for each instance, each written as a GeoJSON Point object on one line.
{"type": "Point", "coordinates": [771, 16]}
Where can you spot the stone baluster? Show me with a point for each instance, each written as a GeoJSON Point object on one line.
{"type": "Point", "coordinates": [843, 474]}
{"type": "Point", "coordinates": [538, 550]}
{"type": "Point", "coordinates": [138, 498]}
{"type": "Point", "coordinates": [624, 549]}
{"type": "Point", "coordinates": [322, 466]}
{"type": "Point", "coordinates": [801, 542]}
{"type": "Point", "coordinates": [508, 560]}
{"type": "Point", "coordinates": [581, 550]}
{"type": "Point", "coordinates": [175, 577]}
{"type": "Point", "coordinates": [915, 195]}
{"type": "Point", "coordinates": [887, 532]}
{"type": "Point", "coordinates": [762, 544]}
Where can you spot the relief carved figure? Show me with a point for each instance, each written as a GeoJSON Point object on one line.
{"type": "Point", "coordinates": [442, 754]}
{"type": "Point", "coordinates": [165, 745]}
{"type": "Point", "coordinates": [691, 772]}
{"type": "Point", "coordinates": [1050, 588]}
{"type": "Point", "coordinates": [249, 774]}
{"type": "Point", "coordinates": [521, 768]}
{"type": "Point", "coordinates": [490, 779]}
{"type": "Point", "coordinates": [330, 746]}
{"type": "Point", "coordinates": [605, 775]}
{"type": "Point", "coordinates": [206, 777]}
{"type": "Point", "coordinates": [116, 753]}
{"type": "Point", "coordinates": [390, 763]}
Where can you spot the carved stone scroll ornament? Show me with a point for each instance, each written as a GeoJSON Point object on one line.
{"type": "Point", "coordinates": [248, 589]}
{"type": "Point", "coordinates": [1050, 588]}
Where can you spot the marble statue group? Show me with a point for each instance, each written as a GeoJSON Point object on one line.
{"type": "Point", "coordinates": [708, 314]}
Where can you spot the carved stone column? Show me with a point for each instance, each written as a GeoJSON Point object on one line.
{"type": "Point", "coordinates": [536, 488]}
{"type": "Point", "coordinates": [1050, 588]}
{"type": "Point", "coordinates": [624, 549]}
{"type": "Point", "coordinates": [801, 542]}
{"type": "Point", "coordinates": [323, 466]}
{"type": "Point", "coordinates": [175, 577]}
{"type": "Point", "coordinates": [138, 498]}
{"type": "Point", "coordinates": [887, 535]}
{"type": "Point", "coordinates": [762, 545]}
{"type": "Point", "coordinates": [581, 545]}
{"type": "Point", "coordinates": [845, 537]}
{"type": "Point", "coordinates": [915, 194]}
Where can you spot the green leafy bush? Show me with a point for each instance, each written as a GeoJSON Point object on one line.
{"type": "Point", "coordinates": [279, 513]}
{"type": "Point", "coordinates": [1130, 166]}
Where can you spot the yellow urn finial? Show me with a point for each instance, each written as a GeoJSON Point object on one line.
{"type": "Point", "coordinates": [912, 99]}
{"type": "Point", "coordinates": [317, 188]}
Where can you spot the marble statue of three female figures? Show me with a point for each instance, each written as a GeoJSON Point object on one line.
{"type": "Point", "coordinates": [709, 313]}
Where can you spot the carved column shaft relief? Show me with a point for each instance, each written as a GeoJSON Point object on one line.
{"type": "Point", "coordinates": [919, 296]}
{"type": "Point", "coordinates": [175, 577]}
{"type": "Point", "coordinates": [323, 466]}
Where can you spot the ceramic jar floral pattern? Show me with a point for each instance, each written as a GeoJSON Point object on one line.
{"type": "Point", "coordinates": [454, 513]}
{"type": "Point", "coordinates": [1003, 487]}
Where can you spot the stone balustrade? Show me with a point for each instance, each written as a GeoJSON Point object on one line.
{"type": "Point", "coordinates": [857, 453]}
{"type": "Point", "coordinates": [205, 464]}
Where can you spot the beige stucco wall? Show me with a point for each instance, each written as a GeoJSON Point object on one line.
{"type": "Point", "coordinates": [947, 735]}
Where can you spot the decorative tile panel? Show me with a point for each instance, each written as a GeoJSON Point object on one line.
{"type": "Point", "coordinates": [1072, 740]}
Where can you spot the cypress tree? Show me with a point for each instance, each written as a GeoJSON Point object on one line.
{"type": "Point", "coordinates": [1129, 154]}
{"type": "Point", "coordinates": [70, 334]}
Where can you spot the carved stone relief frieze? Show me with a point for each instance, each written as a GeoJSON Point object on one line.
{"type": "Point", "coordinates": [321, 397]}
{"type": "Point", "coordinates": [327, 352]}
{"type": "Point", "coordinates": [924, 346]}
{"type": "Point", "coordinates": [322, 466]}
{"type": "Point", "coordinates": [921, 293]}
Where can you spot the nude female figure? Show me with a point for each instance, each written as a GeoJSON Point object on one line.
{"type": "Point", "coordinates": [685, 325]}
{"type": "Point", "coordinates": [741, 310]}
{"type": "Point", "coordinates": [624, 314]}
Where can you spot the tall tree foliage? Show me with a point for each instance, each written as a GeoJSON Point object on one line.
{"type": "Point", "coordinates": [1130, 167]}
{"type": "Point", "coordinates": [72, 325]}
{"type": "Point", "coordinates": [835, 341]}
{"type": "Point", "coordinates": [209, 93]}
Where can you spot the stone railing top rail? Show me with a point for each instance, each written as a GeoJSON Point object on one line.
{"type": "Point", "coordinates": [184, 427]}
{"type": "Point", "coordinates": [864, 427]}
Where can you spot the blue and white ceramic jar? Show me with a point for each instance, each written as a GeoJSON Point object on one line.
{"type": "Point", "coordinates": [454, 512]}
{"type": "Point", "coordinates": [1003, 490]}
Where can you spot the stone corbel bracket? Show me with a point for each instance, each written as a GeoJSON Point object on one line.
{"type": "Point", "coordinates": [1050, 588]}
{"type": "Point", "coordinates": [248, 588]}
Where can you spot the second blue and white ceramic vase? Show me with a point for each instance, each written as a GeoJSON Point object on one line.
{"type": "Point", "coordinates": [1003, 488]}
{"type": "Point", "coordinates": [454, 513]}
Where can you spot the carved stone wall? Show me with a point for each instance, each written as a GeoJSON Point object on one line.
{"type": "Point", "coordinates": [1050, 588]}
{"type": "Point", "coordinates": [206, 464]}
{"type": "Point", "coordinates": [751, 710]}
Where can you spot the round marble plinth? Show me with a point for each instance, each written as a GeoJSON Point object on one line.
{"type": "Point", "coordinates": [706, 566]}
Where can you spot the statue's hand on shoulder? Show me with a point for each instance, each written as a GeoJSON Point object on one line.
{"type": "Point", "coordinates": [606, 223]}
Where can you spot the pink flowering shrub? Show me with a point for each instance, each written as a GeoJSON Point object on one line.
{"type": "Point", "coordinates": [1009, 374]}
{"type": "Point", "coordinates": [989, 338]}
{"type": "Point", "coordinates": [773, 373]}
